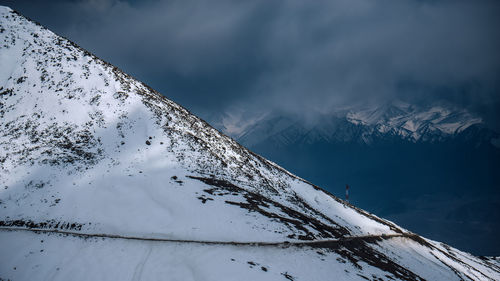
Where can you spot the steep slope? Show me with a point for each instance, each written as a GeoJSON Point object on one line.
{"type": "Point", "coordinates": [102, 177]}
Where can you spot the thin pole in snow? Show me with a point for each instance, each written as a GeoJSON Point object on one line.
{"type": "Point", "coordinates": [347, 193]}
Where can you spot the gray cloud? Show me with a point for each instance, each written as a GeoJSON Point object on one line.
{"type": "Point", "coordinates": [293, 56]}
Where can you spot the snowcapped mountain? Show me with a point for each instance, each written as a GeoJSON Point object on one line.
{"type": "Point", "coordinates": [394, 122]}
{"type": "Point", "coordinates": [413, 123]}
{"type": "Point", "coordinates": [104, 178]}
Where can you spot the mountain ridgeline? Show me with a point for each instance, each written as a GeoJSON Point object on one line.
{"type": "Point", "coordinates": [104, 178]}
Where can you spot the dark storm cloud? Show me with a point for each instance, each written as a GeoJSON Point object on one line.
{"type": "Point", "coordinates": [293, 55]}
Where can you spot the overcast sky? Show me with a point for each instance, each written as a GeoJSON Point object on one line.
{"type": "Point", "coordinates": [293, 56]}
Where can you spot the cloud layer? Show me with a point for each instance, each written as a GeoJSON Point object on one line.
{"type": "Point", "coordinates": [293, 56]}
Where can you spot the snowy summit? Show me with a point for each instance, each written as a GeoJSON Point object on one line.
{"type": "Point", "coordinates": [103, 178]}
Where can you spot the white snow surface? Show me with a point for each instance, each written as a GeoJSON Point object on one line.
{"type": "Point", "coordinates": [38, 256]}
{"type": "Point", "coordinates": [85, 148]}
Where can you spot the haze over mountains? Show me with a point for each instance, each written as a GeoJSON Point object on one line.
{"type": "Point", "coordinates": [104, 178]}
{"type": "Point", "coordinates": [365, 125]}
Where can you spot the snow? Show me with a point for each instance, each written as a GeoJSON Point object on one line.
{"type": "Point", "coordinates": [112, 259]}
{"type": "Point", "coordinates": [63, 257]}
{"type": "Point", "coordinates": [109, 120]}
{"type": "Point", "coordinates": [87, 149]}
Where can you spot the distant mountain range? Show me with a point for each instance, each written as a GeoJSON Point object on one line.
{"type": "Point", "coordinates": [393, 122]}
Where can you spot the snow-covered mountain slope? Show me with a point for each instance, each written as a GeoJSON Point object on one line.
{"type": "Point", "coordinates": [102, 177]}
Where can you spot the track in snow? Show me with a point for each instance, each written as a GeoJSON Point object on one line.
{"type": "Point", "coordinates": [315, 243]}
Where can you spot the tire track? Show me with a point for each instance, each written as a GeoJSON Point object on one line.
{"type": "Point", "coordinates": [315, 243]}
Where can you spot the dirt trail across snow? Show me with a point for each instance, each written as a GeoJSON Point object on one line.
{"type": "Point", "coordinates": [314, 243]}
